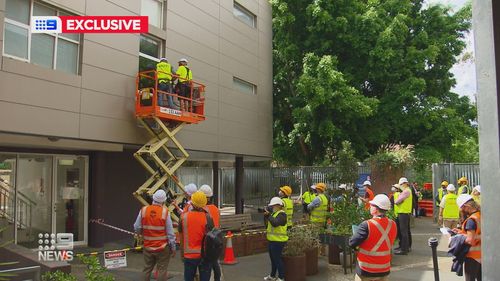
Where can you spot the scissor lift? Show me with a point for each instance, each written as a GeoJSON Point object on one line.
{"type": "Point", "coordinates": [163, 123]}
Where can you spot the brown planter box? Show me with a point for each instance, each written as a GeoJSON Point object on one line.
{"type": "Point", "coordinates": [333, 254]}
{"type": "Point", "coordinates": [312, 261]}
{"type": "Point", "coordinates": [248, 244]}
{"type": "Point", "coordinates": [295, 268]}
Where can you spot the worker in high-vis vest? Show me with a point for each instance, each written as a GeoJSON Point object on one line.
{"type": "Point", "coordinates": [307, 197]}
{"type": "Point", "coordinates": [396, 191]}
{"type": "Point", "coordinates": [463, 188]}
{"type": "Point", "coordinates": [405, 207]}
{"type": "Point", "coordinates": [373, 240]}
{"type": "Point", "coordinates": [192, 230]}
{"type": "Point", "coordinates": [276, 232]}
{"type": "Point", "coordinates": [184, 76]}
{"type": "Point", "coordinates": [368, 194]}
{"type": "Point", "coordinates": [476, 194]}
{"type": "Point", "coordinates": [215, 215]}
{"type": "Point", "coordinates": [155, 226]}
{"type": "Point", "coordinates": [319, 206]}
{"type": "Point", "coordinates": [164, 73]}
{"type": "Point", "coordinates": [439, 196]}
{"type": "Point", "coordinates": [471, 227]}
{"type": "Point", "coordinates": [449, 212]}
{"type": "Point", "coordinates": [284, 193]}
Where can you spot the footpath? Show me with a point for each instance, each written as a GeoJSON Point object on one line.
{"type": "Point", "coordinates": [417, 266]}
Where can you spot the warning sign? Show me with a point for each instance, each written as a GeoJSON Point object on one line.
{"type": "Point", "coordinates": [115, 259]}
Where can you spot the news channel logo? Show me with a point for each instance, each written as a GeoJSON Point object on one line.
{"type": "Point", "coordinates": [55, 247]}
{"type": "Point", "coordinates": [50, 24]}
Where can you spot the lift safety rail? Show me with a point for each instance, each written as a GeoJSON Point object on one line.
{"type": "Point", "coordinates": [162, 155]}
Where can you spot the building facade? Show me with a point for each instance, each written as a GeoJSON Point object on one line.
{"type": "Point", "coordinates": [67, 125]}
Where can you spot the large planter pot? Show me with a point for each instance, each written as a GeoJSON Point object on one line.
{"type": "Point", "coordinates": [295, 268]}
{"type": "Point", "coordinates": [312, 261]}
{"type": "Point", "coordinates": [333, 254]}
{"type": "Point", "coordinates": [325, 238]}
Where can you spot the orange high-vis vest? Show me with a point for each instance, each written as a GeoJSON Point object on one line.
{"type": "Point", "coordinates": [374, 254]}
{"type": "Point", "coordinates": [475, 249]}
{"type": "Point", "coordinates": [154, 220]}
{"type": "Point", "coordinates": [370, 197]}
{"type": "Point", "coordinates": [187, 207]}
{"type": "Point", "coordinates": [193, 230]}
{"type": "Point", "coordinates": [214, 214]}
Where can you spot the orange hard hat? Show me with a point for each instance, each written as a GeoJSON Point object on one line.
{"type": "Point", "coordinates": [287, 190]}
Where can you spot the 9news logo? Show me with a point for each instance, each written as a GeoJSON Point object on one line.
{"type": "Point", "coordinates": [55, 247]}
{"type": "Point", "coordinates": [46, 25]}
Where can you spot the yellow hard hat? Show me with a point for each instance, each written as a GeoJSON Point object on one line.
{"type": "Point", "coordinates": [199, 199]}
{"type": "Point", "coordinates": [444, 183]}
{"type": "Point", "coordinates": [462, 179]}
{"type": "Point", "coordinates": [321, 186]}
{"type": "Point", "coordinates": [287, 190]}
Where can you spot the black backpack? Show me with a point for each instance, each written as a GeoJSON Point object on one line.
{"type": "Point", "coordinates": [213, 241]}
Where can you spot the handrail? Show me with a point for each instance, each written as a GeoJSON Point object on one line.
{"type": "Point", "coordinates": [19, 193]}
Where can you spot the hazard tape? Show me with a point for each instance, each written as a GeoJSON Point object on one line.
{"type": "Point", "coordinates": [100, 253]}
{"type": "Point", "coordinates": [101, 222]}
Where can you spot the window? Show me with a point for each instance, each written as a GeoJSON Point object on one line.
{"type": "Point", "coordinates": [244, 15]}
{"type": "Point", "coordinates": [244, 86]}
{"type": "Point", "coordinates": [150, 50]}
{"type": "Point", "coordinates": [56, 51]}
{"type": "Point", "coordinates": [154, 10]}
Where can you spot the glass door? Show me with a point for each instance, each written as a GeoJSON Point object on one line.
{"type": "Point", "coordinates": [70, 196]}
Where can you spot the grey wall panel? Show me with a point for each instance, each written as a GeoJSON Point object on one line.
{"type": "Point", "coordinates": [36, 120]}
{"type": "Point", "coordinates": [231, 128]}
{"type": "Point", "coordinates": [235, 37]}
{"type": "Point", "coordinates": [205, 141]}
{"type": "Point", "coordinates": [183, 43]}
{"type": "Point", "coordinates": [107, 8]}
{"type": "Point", "coordinates": [102, 80]}
{"type": "Point", "coordinates": [195, 14]}
{"type": "Point", "coordinates": [183, 23]}
{"type": "Point", "coordinates": [74, 6]}
{"type": "Point", "coordinates": [109, 129]}
{"type": "Point", "coordinates": [239, 54]}
{"type": "Point", "coordinates": [238, 114]}
{"type": "Point", "coordinates": [201, 70]}
{"type": "Point", "coordinates": [132, 6]}
{"type": "Point", "coordinates": [100, 104]}
{"type": "Point", "coordinates": [20, 89]}
{"type": "Point", "coordinates": [128, 43]}
{"type": "Point", "coordinates": [107, 58]}
{"type": "Point", "coordinates": [210, 8]}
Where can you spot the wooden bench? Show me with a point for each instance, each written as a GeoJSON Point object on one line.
{"type": "Point", "coordinates": [239, 222]}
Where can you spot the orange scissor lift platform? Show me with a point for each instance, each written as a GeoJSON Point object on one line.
{"type": "Point", "coordinates": [162, 155]}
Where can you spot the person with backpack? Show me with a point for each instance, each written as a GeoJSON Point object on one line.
{"type": "Point", "coordinates": [185, 76]}
{"type": "Point", "coordinates": [192, 230]}
{"type": "Point", "coordinates": [215, 214]}
{"type": "Point", "coordinates": [277, 236]}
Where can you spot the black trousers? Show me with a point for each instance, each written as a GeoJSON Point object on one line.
{"type": "Point", "coordinates": [405, 236]}
{"type": "Point", "coordinates": [472, 270]}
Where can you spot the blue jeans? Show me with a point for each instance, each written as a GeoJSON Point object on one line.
{"type": "Point", "coordinates": [275, 253]}
{"type": "Point", "coordinates": [162, 98]}
{"type": "Point", "coordinates": [190, 267]}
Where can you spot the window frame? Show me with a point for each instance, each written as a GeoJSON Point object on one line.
{"type": "Point", "coordinates": [56, 36]}
{"type": "Point", "coordinates": [160, 51]}
{"type": "Point", "coordinates": [162, 10]}
{"type": "Point", "coordinates": [242, 9]}
{"type": "Point", "coordinates": [244, 82]}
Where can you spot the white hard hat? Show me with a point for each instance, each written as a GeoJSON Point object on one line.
{"type": "Point", "coordinates": [381, 201]}
{"type": "Point", "coordinates": [313, 186]}
{"type": "Point", "coordinates": [276, 201]}
{"type": "Point", "coordinates": [462, 199]}
{"type": "Point", "coordinates": [477, 188]}
{"type": "Point", "coordinates": [451, 188]}
{"type": "Point", "coordinates": [403, 180]}
{"type": "Point", "coordinates": [207, 190]}
{"type": "Point", "coordinates": [160, 196]}
{"type": "Point", "coordinates": [190, 189]}
{"type": "Point", "coordinates": [183, 60]}
{"type": "Point", "coordinates": [367, 183]}
{"type": "Point", "coordinates": [162, 59]}
{"type": "Point", "coordinates": [343, 186]}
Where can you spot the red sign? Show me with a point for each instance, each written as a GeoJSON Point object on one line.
{"type": "Point", "coordinates": [118, 254]}
{"type": "Point", "coordinates": [104, 24]}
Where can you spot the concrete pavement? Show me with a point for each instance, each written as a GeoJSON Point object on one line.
{"type": "Point", "coordinates": [417, 266]}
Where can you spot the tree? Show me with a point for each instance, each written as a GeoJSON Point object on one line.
{"type": "Point", "coordinates": [371, 72]}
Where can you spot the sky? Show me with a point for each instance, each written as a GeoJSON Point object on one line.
{"type": "Point", "coordinates": [465, 72]}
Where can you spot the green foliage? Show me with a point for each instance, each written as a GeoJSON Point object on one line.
{"type": "Point", "coordinates": [346, 212]}
{"type": "Point", "coordinates": [95, 271]}
{"type": "Point", "coordinates": [298, 238]}
{"type": "Point", "coordinates": [371, 72]}
{"type": "Point", "coordinates": [395, 156]}
{"type": "Point", "coordinates": [346, 165]}
{"type": "Point", "coordinates": [58, 276]}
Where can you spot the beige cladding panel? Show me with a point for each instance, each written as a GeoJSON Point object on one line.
{"type": "Point", "coordinates": [235, 37]}
{"type": "Point", "coordinates": [107, 58]}
{"type": "Point", "coordinates": [185, 26]}
{"type": "Point", "coordinates": [211, 108]}
{"type": "Point", "coordinates": [113, 130]}
{"type": "Point", "coordinates": [195, 14]}
{"type": "Point", "coordinates": [196, 50]}
{"type": "Point", "coordinates": [131, 5]}
{"type": "Point", "coordinates": [72, 6]}
{"type": "Point", "coordinates": [101, 80]}
{"type": "Point", "coordinates": [107, 8]}
{"type": "Point", "coordinates": [235, 129]}
{"type": "Point", "coordinates": [26, 119]}
{"type": "Point", "coordinates": [128, 43]}
{"type": "Point", "coordinates": [239, 54]}
{"type": "Point", "coordinates": [20, 89]}
{"type": "Point", "coordinates": [238, 114]}
{"type": "Point", "coordinates": [198, 140]}
{"type": "Point", "coordinates": [201, 71]}
{"type": "Point", "coordinates": [100, 104]}
{"type": "Point", "coordinates": [210, 7]}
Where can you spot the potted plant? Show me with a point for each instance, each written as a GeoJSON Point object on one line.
{"type": "Point", "coordinates": [312, 244]}
{"type": "Point", "coordinates": [294, 255]}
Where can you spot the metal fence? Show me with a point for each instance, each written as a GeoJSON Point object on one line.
{"type": "Point", "coordinates": [260, 184]}
{"type": "Point", "coordinates": [196, 175]}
